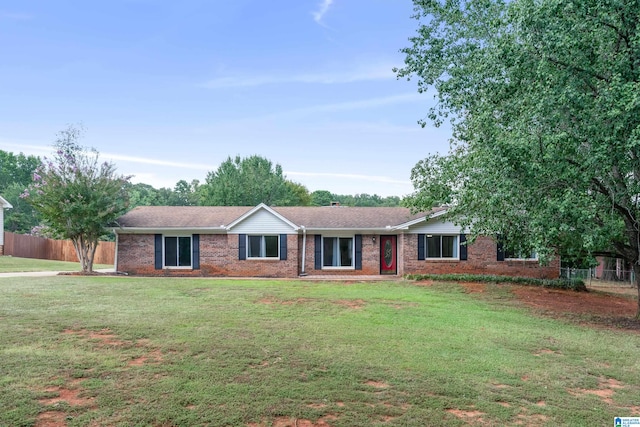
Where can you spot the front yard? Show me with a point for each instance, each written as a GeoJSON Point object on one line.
{"type": "Point", "coordinates": [105, 351]}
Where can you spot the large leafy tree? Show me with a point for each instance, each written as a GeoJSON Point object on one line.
{"type": "Point", "coordinates": [250, 181]}
{"type": "Point", "coordinates": [77, 196]}
{"type": "Point", "coordinates": [544, 100]}
{"type": "Point", "coordinates": [16, 171]}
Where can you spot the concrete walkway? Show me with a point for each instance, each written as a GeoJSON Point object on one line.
{"type": "Point", "coordinates": [45, 273]}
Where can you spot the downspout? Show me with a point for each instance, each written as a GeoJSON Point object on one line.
{"type": "Point", "coordinates": [115, 256]}
{"type": "Point", "coordinates": [304, 251]}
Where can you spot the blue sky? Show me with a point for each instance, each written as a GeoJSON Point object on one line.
{"type": "Point", "coordinates": [168, 90]}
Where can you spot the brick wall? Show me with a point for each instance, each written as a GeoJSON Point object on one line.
{"type": "Point", "coordinates": [481, 259]}
{"type": "Point", "coordinates": [218, 258]}
{"type": "Point", "coordinates": [1, 250]}
{"type": "Point", "coordinates": [370, 259]}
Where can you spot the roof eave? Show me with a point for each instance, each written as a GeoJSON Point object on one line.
{"type": "Point", "coordinates": [164, 230]}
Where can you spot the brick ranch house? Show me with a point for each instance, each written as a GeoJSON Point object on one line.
{"type": "Point", "coordinates": [265, 241]}
{"type": "Point", "coordinates": [3, 205]}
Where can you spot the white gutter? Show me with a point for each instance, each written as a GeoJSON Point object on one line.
{"type": "Point", "coordinates": [304, 250]}
{"type": "Point", "coordinates": [115, 257]}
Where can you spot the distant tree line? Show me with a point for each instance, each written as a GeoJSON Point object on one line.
{"type": "Point", "coordinates": [236, 182]}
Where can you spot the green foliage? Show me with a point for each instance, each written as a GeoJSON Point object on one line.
{"type": "Point", "coordinates": [77, 196]}
{"type": "Point", "coordinates": [250, 181]}
{"type": "Point", "coordinates": [22, 218]}
{"type": "Point", "coordinates": [16, 173]}
{"type": "Point", "coordinates": [571, 284]}
{"type": "Point", "coordinates": [543, 99]}
{"type": "Point", "coordinates": [16, 169]}
{"type": "Point", "coordinates": [325, 198]}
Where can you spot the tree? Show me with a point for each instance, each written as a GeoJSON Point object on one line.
{"type": "Point", "coordinates": [248, 182]}
{"type": "Point", "coordinates": [16, 169]}
{"type": "Point", "coordinates": [15, 175]}
{"type": "Point", "coordinates": [22, 218]}
{"type": "Point", "coordinates": [77, 196]}
{"type": "Point", "coordinates": [543, 97]}
{"type": "Point", "coordinates": [322, 198]}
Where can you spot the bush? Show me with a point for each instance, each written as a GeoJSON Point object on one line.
{"type": "Point", "coordinates": [571, 284]}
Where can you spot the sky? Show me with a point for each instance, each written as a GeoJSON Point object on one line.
{"type": "Point", "coordinates": [168, 90]}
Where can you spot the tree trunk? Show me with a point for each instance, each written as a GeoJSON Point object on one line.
{"type": "Point", "coordinates": [85, 250]}
{"type": "Point", "coordinates": [636, 273]}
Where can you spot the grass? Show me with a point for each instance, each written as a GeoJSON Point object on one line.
{"type": "Point", "coordinates": [170, 352]}
{"type": "Point", "coordinates": [9, 264]}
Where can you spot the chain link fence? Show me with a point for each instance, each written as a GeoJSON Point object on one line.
{"type": "Point", "coordinates": [601, 277]}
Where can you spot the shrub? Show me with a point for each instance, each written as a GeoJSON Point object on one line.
{"type": "Point", "coordinates": [571, 284]}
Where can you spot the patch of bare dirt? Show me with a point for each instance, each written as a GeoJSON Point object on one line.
{"type": "Point", "coordinates": [474, 287]}
{"type": "Point", "coordinates": [469, 416]}
{"type": "Point", "coordinates": [70, 393]}
{"type": "Point", "coordinates": [295, 422]}
{"type": "Point", "coordinates": [605, 391]}
{"type": "Point", "coordinates": [51, 419]}
{"type": "Point", "coordinates": [597, 308]}
{"type": "Point", "coordinates": [355, 304]}
{"type": "Point", "coordinates": [377, 384]}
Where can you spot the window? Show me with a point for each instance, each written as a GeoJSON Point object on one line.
{"type": "Point", "coordinates": [263, 247]}
{"type": "Point", "coordinates": [337, 252]}
{"type": "Point", "coordinates": [442, 246]}
{"type": "Point", "coordinates": [177, 251]}
{"type": "Point", "coordinates": [520, 254]}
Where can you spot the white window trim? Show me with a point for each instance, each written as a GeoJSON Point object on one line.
{"type": "Point", "coordinates": [270, 258]}
{"type": "Point", "coordinates": [441, 258]}
{"type": "Point", "coordinates": [164, 252]}
{"type": "Point", "coordinates": [353, 253]}
{"type": "Point", "coordinates": [535, 258]}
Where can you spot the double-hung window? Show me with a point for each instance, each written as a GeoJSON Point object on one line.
{"type": "Point", "coordinates": [263, 246]}
{"type": "Point", "coordinates": [441, 246]}
{"type": "Point", "coordinates": [177, 251]}
{"type": "Point", "coordinates": [520, 255]}
{"type": "Point", "coordinates": [337, 252]}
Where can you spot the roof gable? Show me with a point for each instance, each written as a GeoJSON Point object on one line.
{"type": "Point", "coordinates": [262, 217]}
{"type": "Point", "coordinates": [4, 204]}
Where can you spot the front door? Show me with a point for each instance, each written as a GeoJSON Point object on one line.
{"type": "Point", "coordinates": [388, 246]}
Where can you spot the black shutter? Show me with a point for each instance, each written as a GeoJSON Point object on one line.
{"type": "Point", "coordinates": [358, 245]}
{"type": "Point", "coordinates": [318, 251]}
{"type": "Point", "coordinates": [283, 247]}
{"type": "Point", "coordinates": [463, 247]}
{"type": "Point", "coordinates": [500, 249]}
{"type": "Point", "coordinates": [158, 251]}
{"type": "Point", "coordinates": [195, 241]}
{"type": "Point", "coordinates": [242, 246]}
{"type": "Point", "coordinates": [421, 254]}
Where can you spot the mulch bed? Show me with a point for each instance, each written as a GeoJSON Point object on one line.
{"type": "Point", "coordinates": [594, 308]}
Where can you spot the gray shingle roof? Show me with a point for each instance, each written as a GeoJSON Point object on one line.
{"type": "Point", "coordinates": [339, 217]}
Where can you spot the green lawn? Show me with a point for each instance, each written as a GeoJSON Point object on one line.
{"type": "Point", "coordinates": [105, 351]}
{"type": "Point", "coordinates": [9, 264]}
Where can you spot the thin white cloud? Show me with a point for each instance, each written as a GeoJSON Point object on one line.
{"type": "Point", "coordinates": [371, 178]}
{"type": "Point", "coordinates": [347, 106]}
{"type": "Point", "coordinates": [41, 150]}
{"type": "Point", "coordinates": [15, 16]}
{"type": "Point", "coordinates": [157, 162]}
{"type": "Point", "coordinates": [323, 8]}
{"type": "Point", "coordinates": [371, 72]}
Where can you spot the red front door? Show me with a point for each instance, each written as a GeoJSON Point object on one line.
{"type": "Point", "coordinates": [388, 246]}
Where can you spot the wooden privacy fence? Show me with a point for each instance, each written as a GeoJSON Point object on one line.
{"type": "Point", "coordinates": [22, 245]}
